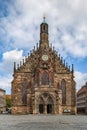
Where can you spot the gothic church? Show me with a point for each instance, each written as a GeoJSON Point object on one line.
{"type": "Point", "coordinates": [43, 83]}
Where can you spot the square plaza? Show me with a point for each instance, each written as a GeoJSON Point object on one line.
{"type": "Point", "coordinates": [43, 122]}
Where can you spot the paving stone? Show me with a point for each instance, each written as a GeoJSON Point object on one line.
{"type": "Point", "coordinates": [43, 122]}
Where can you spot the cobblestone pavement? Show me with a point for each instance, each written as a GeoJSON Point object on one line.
{"type": "Point", "coordinates": [43, 122]}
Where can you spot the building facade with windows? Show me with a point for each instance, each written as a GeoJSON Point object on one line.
{"type": "Point", "coordinates": [43, 82]}
{"type": "Point", "coordinates": [82, 99]}
{"type": "Point", "coordinates": [2, 100]}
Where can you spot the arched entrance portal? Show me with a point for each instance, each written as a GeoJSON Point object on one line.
{"type": "Point", "coordinates": [41, 105]}
{"type": "Point", "coordinates": [49, 105]}
{"type": "Point", "coordinates": [41, 108]}
{"type": "Point", "coordinates": [46, 105]}
{"type": "Point", "coordinates": [49, 108]}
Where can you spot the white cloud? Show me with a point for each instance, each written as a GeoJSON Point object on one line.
{"type": "Point", "coordinates": [5, 83]}
{"type": "Point", "coordinates": [75, 45]}
{"type": "Point", "coordinates": [80, 78]}
{"type": "Point", "coordinates": [13, 55]}
{"type": "Point", "coordinates": [22, 24]}
{"type": "Point", "coordinates": [6, 67]}
{"type": "Point", "coordinates": [8, 59]}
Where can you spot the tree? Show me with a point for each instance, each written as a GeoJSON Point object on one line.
{"type": "Point", "coordinates": [8, 102]}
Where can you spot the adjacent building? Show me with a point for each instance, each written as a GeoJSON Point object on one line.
{"type": "Point", "coordinates": [2, 100]}
{"type": "Point", "coordinates": [82, 99]}
{"type": "Point", "coordinates": [43, 83]}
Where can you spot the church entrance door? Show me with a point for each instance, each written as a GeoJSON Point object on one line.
{"type": "Point", "coordinates": [41, 108]}
{"type": "Point", "coordinates": [49, 108]}
{"type": "Point", "coordinates": [45, 104]}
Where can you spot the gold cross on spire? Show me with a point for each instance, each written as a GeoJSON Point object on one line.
{"type": "Point", "coordinates": [44, 18]}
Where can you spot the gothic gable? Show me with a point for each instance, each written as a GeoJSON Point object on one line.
{"type": "Point", "coordinates": [43, 82]}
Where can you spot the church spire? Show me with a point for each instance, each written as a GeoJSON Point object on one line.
{"type": "Point", "coordinates": [44, 18]}
{"type": "Point", "coordinates": [44, 42]}
{"type": "Point", "coordinates": [72, 70]}
{"type": "Point", "coordinates": [14, 67]}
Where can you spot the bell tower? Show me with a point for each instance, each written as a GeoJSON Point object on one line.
{"type": "Point", "coordinates": [44, 42]}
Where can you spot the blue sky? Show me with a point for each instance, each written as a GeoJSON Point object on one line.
{"type": "Point", "coordinates": [20, 30]}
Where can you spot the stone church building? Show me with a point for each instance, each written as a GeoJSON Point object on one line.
{"type": "Point", "coordinates": [43, 83]}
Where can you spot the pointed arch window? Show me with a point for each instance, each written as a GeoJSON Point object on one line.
{"type": "Point", "coordinates": [45, 79]}
{"type": "Point", "coordinates": [24, 97]}
{"type": "Point", "coordinates": [63, 86]}
{"type": "Point", "coordinates": [37, 78]}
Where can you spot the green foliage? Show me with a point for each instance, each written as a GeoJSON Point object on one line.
{"type": "Point", "coordinates": [8, 103]}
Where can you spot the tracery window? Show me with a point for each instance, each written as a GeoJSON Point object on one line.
{"type": "Point", "coordinates": [45, 79]}
{"type": "Point", "coordinates": [50, 101]}
{"type": "Point", "coordinates": [51, 80]}
{"type": "Point", "coordinates": [24, 96]}
{"type": "Point", "coordinates": [63, 86]}
{"type": "Point", "coordinates": [37, 78]}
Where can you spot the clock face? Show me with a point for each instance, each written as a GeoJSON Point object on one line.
{"type": "Point", "coordinates": [45, 57]}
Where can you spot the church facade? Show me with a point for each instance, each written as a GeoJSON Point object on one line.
{"type": "Point", "coordinates": [43, 83]}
